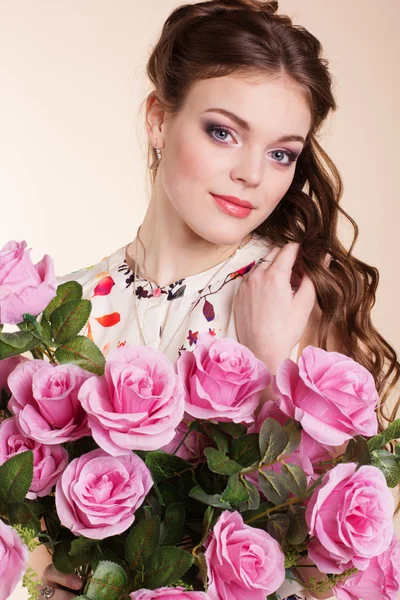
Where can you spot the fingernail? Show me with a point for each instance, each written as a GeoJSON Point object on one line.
{"type": "Point", "coordinates": [328, 259]}
{"type": "Point", "coordinates": [75, 582]}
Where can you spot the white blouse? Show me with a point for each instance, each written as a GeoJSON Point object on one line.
{"type": "Point", "coordinates": [114, 322]}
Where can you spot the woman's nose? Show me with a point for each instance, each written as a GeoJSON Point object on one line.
{"type": "Point", "coordinates": [248, 167]}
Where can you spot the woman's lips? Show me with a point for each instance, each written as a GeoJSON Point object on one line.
{"type": "Point", "coordinates": [232, 209]}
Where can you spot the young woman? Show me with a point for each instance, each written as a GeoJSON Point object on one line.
{"type": "Point", "coordinates": [240, 236]}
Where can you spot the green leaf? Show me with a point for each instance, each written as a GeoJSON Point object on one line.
{"type": "Point", "coordinates": [164, 466]}
{"type": "Point", "coordinates": [109, 582]}
{"type": "Point", "coordinates": [278, 527]}
{"type": "Point", "coordinates": [357, 451]}
{"type": "Point", "coordinates": [235, 430]}
{"type": "Point", "coordinates": [246, 450]}
{"type": "Point", "coordinates": [207, 521]}
{"type": "Point", "coordinates": [141, 542]}
{"type": "Point", "coordinates": [201, 563]}
{"type": "Point", "coordinates": [273, 486]}
{"type": "Point", "coordinates": [82, 352]}
{"type": "Point", "coordinates": [217, 436]}
{"type": "Point", "coordinates": [253, 501]}
{"type": "Point", "coordinates": [314, 485]}
{"type": "Point", "coordinates": [235, 492]}
{"type": "Point", "coordinates": [298, 530]}
{"type": "Point", "coordinates": [376, 442]}
{"type": "Point", "coordinates": [218, 462]}
{"type": "Point", "coordinates": [397, 450]}
{"type": "Point", "coordinates": [52, 523]}
{"type": "Point", "coordinates": [295, 478]}
{"type": "Point", "coordinates": [170, 494]}
{"type": "Point", "coordinates": [112, 549]}
{"type": "Point", "coordinates": [46, 329]}
{"type": "Point", "coordinates": [37, 507]}
{"type": "Point", "coordinates": [293, 435]}
{"type": "Point", "coordinates": [210, 499]}
{"type": "Point", "coordinates": [6, 350]}
{"type": "Point", "coordinates": [17, 339]}
{"type": "Point", "coordinates": [19, 513]}
{"type": "Point", "coordinates": [16, 476]}
{"type": "Point", "coordinates": [388, 464]}
{"type": "Point", "coordinates": [273, 440]}
{"type": "Point", "coordinates": [81, 549]}
{"type": "Point", "coordinates": [69, 319]}
{"type": "Point", "coordinates": [166, 565]}
{"type": "Point", "coordinates": [392, 432]}
{"type": "Point", "coordinates": [66, 292]}
{"type": "Point", "coordinates": [173, 523]}
{"type": "Point", "coordinates": [61, 558]}
{"type": "Point", "coordinates": [31, 325]}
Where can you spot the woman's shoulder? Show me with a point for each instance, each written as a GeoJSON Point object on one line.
{"type": "Point", "coordinates": [90, 276]}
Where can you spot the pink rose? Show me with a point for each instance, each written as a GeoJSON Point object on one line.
{"type": "Point", "coordinates": [168, 593]}
{"type": "Point", "coordinates": [48, 461]}
{"type": "Point", "coordinates": [13, 560]}
{"type": "Point", "coordinates": [192, 448]}
{"type": "Point", "coordinates": [24, 287]}
{"type": "Point", "coordinates": [98, 494]}
{"type": "Point", "coordinates": [242, 561]}
{"type": "Point", "coordinates": [350, 515]}
{"type": "Point", "coordinates": [136, 404]}
{"type": "Point", "coordinates": [331, 395]}
{"type": "Point", "coordinates": [45, 401]}
{"type": "Point", "coordinates": [308, 453]}
{"type": "Point", "coordinates": [381, 579]}
{"type": "Point", "coordinates": [7, 365]}
{"type": "Point", "coordinates": [223, 380]}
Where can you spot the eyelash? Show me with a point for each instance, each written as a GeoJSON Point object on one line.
{"type": "Point", "coordinates": [213, 127]}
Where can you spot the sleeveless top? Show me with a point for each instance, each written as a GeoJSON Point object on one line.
{"type": "Point", "coordinates": [113, 320]}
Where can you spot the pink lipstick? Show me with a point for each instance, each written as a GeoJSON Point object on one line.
{"type": "Point", "coordinates": [233, 206]}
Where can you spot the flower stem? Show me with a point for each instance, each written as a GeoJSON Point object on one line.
{"type": "Point", "coordinates": [268, 511]}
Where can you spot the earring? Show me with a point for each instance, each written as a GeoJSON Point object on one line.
{"type": "Point", "coordinates": [157, 160]}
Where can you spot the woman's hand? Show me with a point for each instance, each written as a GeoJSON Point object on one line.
{"type": "Point", "coordinates": [310, 570]}
{"type": "Point", "coordinates": [270, 314]}
{"type": "Point", "coordinates": [60, 581]}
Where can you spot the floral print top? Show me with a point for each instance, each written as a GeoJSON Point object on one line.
{"type": "Point", "coordinates": [109, 285]}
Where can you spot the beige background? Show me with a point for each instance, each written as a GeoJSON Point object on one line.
{"type": "Point", "coordinates": [72, 147]}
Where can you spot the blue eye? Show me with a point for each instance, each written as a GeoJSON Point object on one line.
{"type": "Point", "coordinates": [212, 129]}
{"type": "Point", "coordinates": [291, 158]}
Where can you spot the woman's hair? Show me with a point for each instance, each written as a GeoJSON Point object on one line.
{"type": "Point", "coordinates": [247, 37]}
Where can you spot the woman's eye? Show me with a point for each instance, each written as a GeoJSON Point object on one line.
{"type": "Point", "coordinates": [218, 133]}
{"type": "Point", "coordinates": [284, 157]}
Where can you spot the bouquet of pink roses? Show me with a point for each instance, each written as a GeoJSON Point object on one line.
{"type": "Point", "coordinates": [155, 480]}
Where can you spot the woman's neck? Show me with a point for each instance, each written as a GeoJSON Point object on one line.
{"type": "Point", "coordinates": [172, 251]}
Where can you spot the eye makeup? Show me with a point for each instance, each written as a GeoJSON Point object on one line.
{"type": "Point", "coordinates": [212, 129]}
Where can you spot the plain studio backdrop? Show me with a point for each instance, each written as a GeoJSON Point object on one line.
{"type": "Point", "coordinates": [73, 180]}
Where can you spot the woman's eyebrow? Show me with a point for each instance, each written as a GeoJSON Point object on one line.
{"type": "Point", "coordinates": [246, 126]}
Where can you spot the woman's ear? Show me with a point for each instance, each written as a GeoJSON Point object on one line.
{"type": "Point", "coordinates": [155, 118]}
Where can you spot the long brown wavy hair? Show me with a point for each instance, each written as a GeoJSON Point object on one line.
{"type": "Point", "coordinates": [220, 37]}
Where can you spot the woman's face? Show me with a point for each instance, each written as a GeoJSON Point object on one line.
{"type": "Point", "coordinates": [249, 154]}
